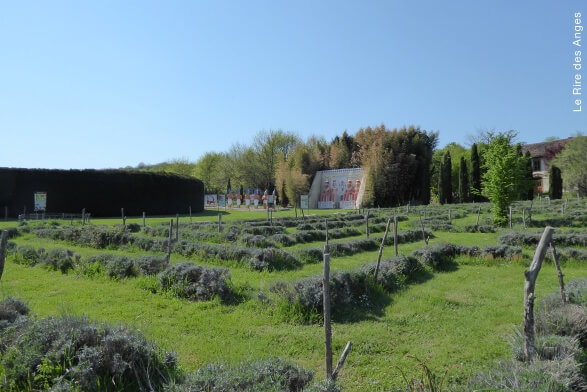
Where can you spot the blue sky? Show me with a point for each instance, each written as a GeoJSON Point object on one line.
{"type": "Point", "coordinates": [114, 83]}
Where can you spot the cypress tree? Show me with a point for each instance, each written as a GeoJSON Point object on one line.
{"type": "Point", "coordinates": [555, 189]}
{"type": "Point", "coordinates": [445, 188]}
{"type": "Point", "coordinates": [463, 182]}
{"type": "Point", "coordinates": [529, 176]}
{"type": "Point", "coordinates": [475, 174]}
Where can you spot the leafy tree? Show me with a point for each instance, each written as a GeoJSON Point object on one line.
{"type": "Point", "coordinates": [476, 186]}
{"type": "Point", "coordinates": [463, 182]}
{"type": "Point", "coordinates": [573, 164]}
{"type": "Point", "coordinates": [529, 176]}
{"type": "Point", "coordinates": [555, 181]}
{"type": "Point", "coordinates": [505, 174]}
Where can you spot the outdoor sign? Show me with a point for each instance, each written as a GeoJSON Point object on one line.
{"type": "Point", "coordinates": [304, 202]}
{"type": "Point", "coordinates": [221, 201]}
{"type": "Point", "coordinates": [340, 188]}
{"type": "Point", "coordinates": [270, 200]}
{"type": "Point", "coordinates": [40, 201]}
{"type": "Point", "coordinates": [211, 200]}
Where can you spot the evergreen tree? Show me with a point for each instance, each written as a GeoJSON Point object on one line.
{"type": "Point", "coordinates": [463, 182]}
{"type": "Point", "coordinates": [228, 189]}
{"type": "Point", "coordinates": [475, 174]}
{"type": "Point", "coordinates": [446, 180]}
{"type": "Point", "coordinates": [555, 181]}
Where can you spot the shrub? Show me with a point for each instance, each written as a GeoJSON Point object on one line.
{"type": "Point", "coordinates": [70, 353]}
{"type": "Point", "coordinates": [273, 259]}
{"type": "Point", "coordinates": [501, 251]}
{"type": "Point", "coordinates": [438, 255]}
{"type": "Point", "coordinates": [28, 255]}
{"type": "Point", "coordinates": [187, 280]}
{"type": "Point", "coordinates": [393, 273]}
{"type": "Point", "coordinates": [115, 266]}
{"type": "Point", "coordinates": [60, 259]}
{"type": "Point", "coordinates": [10, 310]}
{"type": "Point", "coordinates": [133, 227]}
{"type": "Point", "coordinates": [479, 229]}
{"type": "Point", "coordinates": [151, 265]}
{"type": "Point", "coordinates": [263, 375]}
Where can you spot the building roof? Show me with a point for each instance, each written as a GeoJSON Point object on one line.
{"type": "Point", "coordinates": [546, 149]}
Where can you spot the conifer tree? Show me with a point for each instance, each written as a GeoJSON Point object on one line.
{"type": "Point", "coordinates": [463, 182]}
{"type": "Point", "coordinates": [555, 179]}
{"type": "Point", "coordinates": [445, 188]}
{"type": "Point", "coordinates": [475, 174]}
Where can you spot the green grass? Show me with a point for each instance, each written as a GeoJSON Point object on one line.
{"type": "Point", "coordinates": [459, 319]}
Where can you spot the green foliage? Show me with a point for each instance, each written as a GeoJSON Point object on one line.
{"type": "Point", "coordinates": [555, 190]}
{"type": "Point", "coordinates": [476, 185]}
{"type": "Point", "coordinates": [187, 280]}
{"type": "Point", "coordinates": [464, 189]}
{"type": "Point", "coordinates": [573, 164]}
{"type": "Point", "coordinates": [445, 187]}
{"type": "Point", "coordinates": [505, 176]}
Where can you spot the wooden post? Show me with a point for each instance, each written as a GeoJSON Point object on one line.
{"type": "Point", "coordinates": [524, 217]}
{"type": "Point", "coordinates": [423, 232]}
{"type": "Point", "coordinates": [395, 244]}
{"type": "Point", "coordinates": [219, 222]}
{"type": "Point", "coordinates": [177, 227]}
{"type": "Point", "coordinates": [326, 301]}
{"type": "Point", "coordinates": [562, 209]}
{"type": "Point", "coordinates": [83, 216]}
{"type": "Point", "coordinates": [296, 210]}
{"type": "Point", "coordinates": [449, 216]}
{"type": "Point", "coordinates": [271, 217]}
{"type": "Point", "coordinates": [190, 214]}
{"type": "Point", "coordinates": [5, 212]}
{"type": "Point", "coordinates": [530, 283]}
{"type": "Point", "coordinates": [381, 249]}
{"type": "Point", "coordinates": [303, 215]}
{"type": "Point", "coordinates": [345, 353]}
{"type": "Point", "coordinates": [530, 211]}
{"type": "Point", "coordinates": [169, 240]}
{"type": "Point", "coordinates": [3, 246]}
{"type": "Point", "coordinates": [144, 219]}
{"type": "Point", "coordinates": [367, 223]}
{"type": "Point", "coordinates": [561, 279]}
{"type": "Point", "coordinates": [122, 215]}
{"type": "Point", "coordinates": [510, 217]}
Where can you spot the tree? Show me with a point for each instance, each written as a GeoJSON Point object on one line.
{"type": "Point", "coordinates": [555, 182]}
{"type": "Point", "coordinates": [476, 186]}
{"type": "Point", "coordinates": [573, 164]}
{"type": "Point", "coordinates": [445, 187]}
{"type": "Point", "coordinates": [505, 174]}
{"type": "Point", "coordinates": [463, 182]}
{"type": "Point", "coordinates": [529, 176]}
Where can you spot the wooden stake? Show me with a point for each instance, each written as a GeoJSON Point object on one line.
{"type": "Point", "coordinates": [219, 222]}
{"type": "Point", "coordinates": [367, 223]}
{"type": "Point", "coordinates": [559, 271]}
{"type": "Point", "coordinates": [423, 232]}
{"type": "Point", "coordinates": [524, 217]}
{"type": "Point", "coordinates": [381, 249]}
{"type": "Point", "coordinates": [144, 219]}
{"type": "Point", "coordinates": [530, 283]}
{"type": "Point", "coordinates": [169, 240]}
{"type": "Point", "coordinates": [478, 215]}
{"type": "Point", "coordinates": [326, 301]}
{"type": "Point", "coordinates": [340, 363]}
{"type": "Point", "coordinates": [190, 214]}
{"type": "Point", "coordinates": [510, 217]}
{"type": "Point", "coordinates": [177, 227]}
{"type": "Point", "coordinates": [395, 244]}
{"type": "Point", "coordinates": [122, 215]}
{"type": "Point", "coordinates": [3, 246]}
{"type": "Point", "coordinates": [83, 216]}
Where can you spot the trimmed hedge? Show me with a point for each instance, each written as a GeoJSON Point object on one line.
{"type": "Point", "coordinates": [100, 192]}
{"type": "Point", "coordinates": [568, 238]}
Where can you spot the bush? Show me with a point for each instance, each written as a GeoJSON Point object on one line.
{"type": "Point", "coordinates": [568, 238]}
{"type": "Point", "coordinates": [438, 255]}
{"type": "Point", "coordinates": [60, 259]}
{"type": "Point", "coordinates": [70, 353]}
{"type": "Point", "coordinates": [133, 227]}
{"type": "Point", "coordinates": [273, 259]}
{"type": "Point", "coordinates": [151, 265]}
{"type": "Point", "coordinates": [187, 280]}
{"type": "Point", "coordinates": [479, 229]}
{"type": "Point", "coordinates": [263, 375]}
{"type": "Point", "coordinates": [394, 273]}
{"type": "Point", "coordinates": [28, 255]}
{"type": "Point", "coordinates": [11, 309]}
{"type": "Point", "coordinates": [501, 251]}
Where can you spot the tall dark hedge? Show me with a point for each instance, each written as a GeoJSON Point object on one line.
{"type": "Point", "coordinates": [555, 188]}
{"type": "Point", "coordinates": [100, 192]}
{"type": "Point", "coordinates": [529, 176]}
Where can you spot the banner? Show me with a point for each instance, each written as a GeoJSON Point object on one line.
{"type": "Point", "coordinates": [211, 201]}
{"type": "Point", "coordinates": [221, 201]}
{"type": "Point", "coordinates": [304, 202]}
{"type": "Point", "coordinates": [340, 188]}
{"type": "Point", "coordinates": [40, 201]}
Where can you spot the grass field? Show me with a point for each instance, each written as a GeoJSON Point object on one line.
{"type": "Point", "coordinates": [459, 319]}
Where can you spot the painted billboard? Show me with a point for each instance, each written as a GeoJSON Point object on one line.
{"type": "Point", "coordinates": [340, 188]}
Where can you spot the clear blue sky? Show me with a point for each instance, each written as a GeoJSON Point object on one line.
{"type": "Point", "coordinates": [95, 84]}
